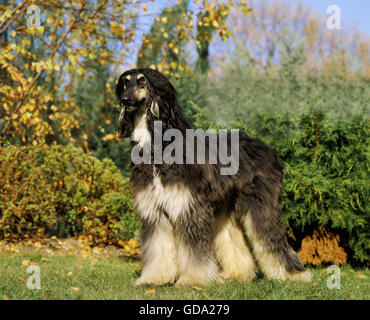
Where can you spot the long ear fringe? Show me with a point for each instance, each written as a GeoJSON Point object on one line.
{"type": "Point", "coordinates": [119, 88]}
{"type": "Point", "coordinates": [160, 109]}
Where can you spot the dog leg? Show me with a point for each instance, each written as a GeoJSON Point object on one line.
{"type": "Point", "coordinates": [196, 261]}
{"type": "Point", "coordinates": [266, 229]}
{"type": "Point", "coordinates": [232, 251]}
{"type": "Point", "coordinates": [158, 253]}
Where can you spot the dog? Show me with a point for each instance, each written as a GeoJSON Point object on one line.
{"type": "Point", "coordinates": [192, 217]}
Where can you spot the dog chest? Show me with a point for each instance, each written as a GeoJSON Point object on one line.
{"type": "Point", "coordinates": [174, 199]}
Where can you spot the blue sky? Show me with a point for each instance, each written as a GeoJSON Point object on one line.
{"type": "Point", "coordinates": [353, 12]}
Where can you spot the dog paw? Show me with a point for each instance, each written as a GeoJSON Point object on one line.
{"type": "Point", "coordinates": [305, 276]}
{"type": "Point", "coordinates": [153, 281]}
{"type": "Point", "coordinates": [185, 281]}
{"type": "Point", "coordinates": [240, 277]}
{"type": "Point", "coordinates": [141, 281]}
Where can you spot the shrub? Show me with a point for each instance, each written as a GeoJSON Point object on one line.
{"type": "Point", "coordinates": [61, 190]}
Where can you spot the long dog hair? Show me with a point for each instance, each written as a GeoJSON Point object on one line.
{"type": "Point", "coordinates": [193, 218]}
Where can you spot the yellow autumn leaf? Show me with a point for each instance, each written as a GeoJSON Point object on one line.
{"type": "Point", "coordinates": [25, 263]}
{"type": "Point", "coordinates": [150, 291]}
{"type": "Point", "coordinates": [197, 288]}
{"type": "Point", "coordinates": [132, 243]}
{"type": "Point", "coordinates": [109, 137]}
{"type": "Point", "coordinates": [83, 52]}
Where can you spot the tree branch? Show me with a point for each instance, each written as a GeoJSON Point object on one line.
{"type": "Point", "coordinates": [11, 19]}
{"type": "Point", "coordinates": [31, 85]}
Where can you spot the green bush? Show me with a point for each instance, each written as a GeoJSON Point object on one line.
{"type": "Point", "coordinates": [61, 190]}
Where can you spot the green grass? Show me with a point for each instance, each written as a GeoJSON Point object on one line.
{"type": "Point", "coordinates": [72, 277]}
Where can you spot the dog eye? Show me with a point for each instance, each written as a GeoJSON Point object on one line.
{"type": "Point", "coordinates": [141, 81]}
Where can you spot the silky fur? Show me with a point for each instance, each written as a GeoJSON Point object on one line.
{"type": "Point", "coordinates": [192, 217]}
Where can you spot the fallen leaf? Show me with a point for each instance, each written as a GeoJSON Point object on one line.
{"type": "Point", "coordinates": [46, 293]}
{"type": "Point", "coordinates": [69, 273]}
{"type": "Point", "coordinates": [6, 298]}
{"type": "Point", "coordinates": [149, 291]}
{"type": "Point", "coordinates": [75, 289]}
{"type": "Point", "coordinates": [97, 250]}
{"type": "Point", "coordinates": [361, 276]}
{"type": "Point", "coordinates": [25, 263]}
{"type": "Point", "coordinates": [37, 245]}
{"type": "Point", "coordinates": [132, 243]}
{"type": "Point", "coordinates": [197, 288]}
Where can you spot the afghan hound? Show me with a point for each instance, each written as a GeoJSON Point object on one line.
{"type": "Point", "coordinates": [192, 216]}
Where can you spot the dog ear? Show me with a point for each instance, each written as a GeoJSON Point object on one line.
{"type": "Point", "coordinates": [119, 88]}
{"type": "Point", "coordinates": [122, 114]}
{"type": "Point", "coordinates": [154, 108]}
{"type": "Point", "coordinates": [173, 116]}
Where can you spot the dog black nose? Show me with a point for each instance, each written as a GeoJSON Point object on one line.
{"type": "Point", "coordinates": [125, 100]}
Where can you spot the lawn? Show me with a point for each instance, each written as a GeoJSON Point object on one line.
{"type": "Point", "coordinates": [75, 277]}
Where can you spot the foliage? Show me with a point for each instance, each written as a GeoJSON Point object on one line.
{"type": "Point", "coordinates": [322, 247]}
{"type": "Point", "coordinates": [242, 92]}
{"type": "Point", "coordinates": [75, 34]}
{"type": "Point", "coordinates": [60, 190]}
{"type": "Point", "coordinates": [162, 43]}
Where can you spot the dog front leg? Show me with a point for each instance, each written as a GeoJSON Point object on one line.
{"type": "Point", "coordinates": [158, 252]}
{"type": "Point", "coordinates": [196, 260]}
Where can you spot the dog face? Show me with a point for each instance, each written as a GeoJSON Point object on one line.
{"type": "Point", "coordinates": [143, 90]}
{"type": "Point", "coordinates": [132, 92]}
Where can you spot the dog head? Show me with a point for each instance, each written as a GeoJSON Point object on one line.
{"type": "Point", "coordinates": [144, 90]}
